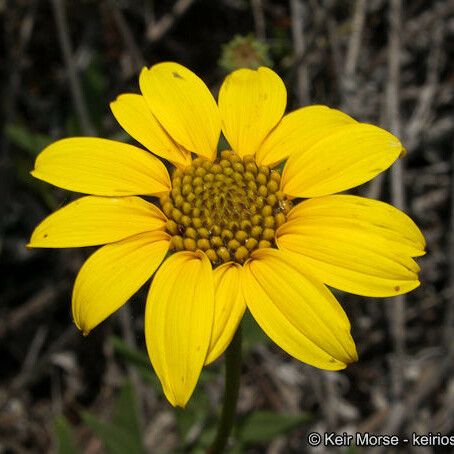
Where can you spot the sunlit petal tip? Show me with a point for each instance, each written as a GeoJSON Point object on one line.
{"type": "Point", "coordinates": [251, 103]}
{"type": "Point", "coordinates": [403, 152]}
{"type": "Point", "coordinates": [296, 311]}
{"type": "Point", "coordinates": [402, 289]}
{"type": "Point", "coordinates": [178, 322]}
{"type": "Point", "coordinates": [183, 105]}
{"type": "Point", "coordinates": [111, 275]}
{"type": "Point", "coordinates": [355, 244]}
{"type": "Point", "coordinates": [350, 156]}
{"type": "Point", "coordinates": [299, 130]}
{"type": "Point", "coordinates": [143, 75]}
{"type": "Point", "coordinates": [81, 327]}
{"type": "Point", "coordinates": [93, 220]}
{"type": "Point", "coordinates": [102, 167]}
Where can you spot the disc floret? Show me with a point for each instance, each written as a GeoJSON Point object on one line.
{"type": "Point", "coordinates": [227, 208]}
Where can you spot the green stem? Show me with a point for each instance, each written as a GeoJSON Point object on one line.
{"type": "Point", "coordinates": [232, 387]}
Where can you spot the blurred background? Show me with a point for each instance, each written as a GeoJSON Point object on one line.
{"type": "Point", "coordinates": [386, 62]}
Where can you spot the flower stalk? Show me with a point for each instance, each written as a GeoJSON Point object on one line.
{"type": "Point", "coordinates": [232, 387]}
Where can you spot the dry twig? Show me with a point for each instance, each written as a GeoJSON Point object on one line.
{"type": "Point", "coordinates": [259, 19]}
{"type": "Point", "coordinates": [128, 37]}
{"type": "Point", "coordinates": [449, 316]}
{"type": "Point", "coordinates": [397, 309]}
{"type": "Point", "coordinates": [36, 304]}
{"type": "Point", "coordinates": [74, 82]}
{"type": "Point", "coordinates": [349, 84]}
{"type": "Point", "coordinates": [157, 30]}
{"type": "Point", "coordinates": [299, 45]}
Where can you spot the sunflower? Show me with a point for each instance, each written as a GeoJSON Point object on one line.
{"type": "Point", "coordinates": [258, 226]}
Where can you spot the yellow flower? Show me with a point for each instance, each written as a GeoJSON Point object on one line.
{"type": "Point", "coordinates": [243, 235]}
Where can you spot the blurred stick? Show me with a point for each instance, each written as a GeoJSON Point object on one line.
{"type": "Point", "coordinates": [16, 45]}
{"type": "Point", "coordinates": [34, 349]}
{"type": "Point", "coordinates": [421, 116]}
{"type": "Point", "coordinates": [259, 18]}
{"type": "Point", "coordinates": [331, 28]}
{"type": "Point", "coordinates": [449, 317]}
{"type": "Point", "coordinates": [354, 46]}
{"type": "Point", "coordinates": [299, 45]}
{"type": "Point", "coordinates": [36, 304]}
{"type": "Point", "coordinates": [128, 37]}
{"type": "Point", "coordinates": [397, 309]}
{"type": "Point", "coordinates": [354, 43]}
{"type": "Point", "coordinates": [41, 366]}
{"type": "Point", "coordinates": [74, 82]}
{"type": "Point", "coordinates": [149, 14]}
{"type": "Point", "coordinates": [431, 377]}
{"type": "Point", "coordinates": [375, 187]}
{"type": "Point", "coordinates": [157, 30]}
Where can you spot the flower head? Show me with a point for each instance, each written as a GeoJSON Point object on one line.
{"type": "Point", "coordinates": [244, 52]}
{"type": "Point", "coordinates": [242, 234]}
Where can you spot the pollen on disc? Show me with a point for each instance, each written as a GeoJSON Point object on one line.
{"type": "Point", "coordinates": [227, 208]}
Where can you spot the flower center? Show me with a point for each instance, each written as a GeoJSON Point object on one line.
{"type": "Point", "coordinates": [227, 208]}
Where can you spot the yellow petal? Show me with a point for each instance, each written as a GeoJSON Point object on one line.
{"type": "Point", "coordinates": [298, 131]}
{"type": "Point", "coordinates": [229, 307]}
{"type": "Point", "coordinates": [251, 104]}
{"type": "Point", "coordinates": [298, 313]}
{"type": "Point", "coordinates": [183, 105]}
{"type": "Point", "coordinates": [113, 274]}
{"type": "Point", "coordinates": [178, 322]}
{"type": "Point", "coordinates": [350, 156]}
{"type": "Point", "coordinates": [362, 214]}
{"type": "Point", "coordinates": [92, 220]}
{"type": "Point", "coordinates": [101, 167]}
{"type": "Point", "coordinates": [134, 116]}
{"type": "Point", "coordinates": [355, 244]}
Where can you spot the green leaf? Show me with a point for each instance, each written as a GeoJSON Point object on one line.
{"type": "Point", "coordinates": [262, 426]}
{"type": "Point", "coordinates": [126, 412]}
{"type": "Point", "coordinates": [122, 434]}
{"type": "Point", "coordinates": [22, 137]}
{"type": "Point", "coordinates": [115, 439]}
{"type": "Point", "coordinates": [237, 449]}
{"type": "Point", "coordinates": [207, 436]}
{"type": "Point", "coordinates": [138, 359]}
{"type": "Point", "coordinates": [65, 439]}
{"type": "Point", "coordinates": [131, 355]}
